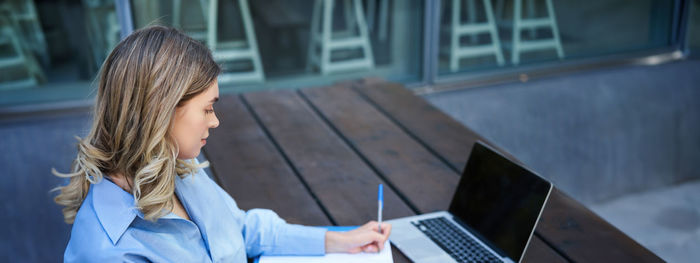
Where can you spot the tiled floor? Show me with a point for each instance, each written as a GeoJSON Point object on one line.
{"type": "Point", "coordinates": [666, 221]}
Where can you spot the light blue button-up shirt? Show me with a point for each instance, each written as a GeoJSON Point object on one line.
{"type": "Point", "coordinates": [108, 228]}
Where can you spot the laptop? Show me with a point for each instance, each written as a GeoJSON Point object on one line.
{"type": "Point", "coordinates": [491, 218]}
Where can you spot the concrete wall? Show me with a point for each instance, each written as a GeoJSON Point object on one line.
{"type": "Point", "coordinates": [596, 135]}
{"type": "Point", "coordinates": [33, 228]}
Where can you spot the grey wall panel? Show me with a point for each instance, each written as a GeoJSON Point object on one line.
{"type": "Point", "coordinates": [34, 230]}
{"type": "Point", "coordinates": [596, 135]}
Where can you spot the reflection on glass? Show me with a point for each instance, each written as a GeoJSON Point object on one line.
{"type": "Point", "coordinates": [51, 50]}
{"type": "Point", "coordinates": [490, 34]}
{"type": "Point", "coordinates": [103, 28]}
{"type": "Point", "coordinates": [295, 43]}
{"type": "Point", "coordinates": [693, 36]}
{"type": "Point", "coordinates": [22, 45]}
{"type": "Point", "coordinates": [326, 41]}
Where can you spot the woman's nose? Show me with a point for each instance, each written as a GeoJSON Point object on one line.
{"type": "Point", "coordinates": [215, 122]}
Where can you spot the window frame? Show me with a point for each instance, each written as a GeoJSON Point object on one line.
{"type": "Point", "coordinates": [430, 81]}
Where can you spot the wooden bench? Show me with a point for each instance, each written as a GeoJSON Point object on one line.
{"type": "Point", "coordinates": [316, 156]}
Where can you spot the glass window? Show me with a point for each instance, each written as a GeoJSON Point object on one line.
{"type": "Point", "coordinates": [298, 43]}
{"type": "Point", "coordinates": [490, 34]}
{"type": "Point", "coordinates": [51, 50]}
{"type": "Point", "coordinates": [693, 36]}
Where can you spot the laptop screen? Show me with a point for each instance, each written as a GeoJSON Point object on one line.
{"type": "Point", "coordinates": [500, 200]}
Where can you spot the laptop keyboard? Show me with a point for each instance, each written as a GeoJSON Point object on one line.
{"type": "Point", "coordinates": [460, 246]}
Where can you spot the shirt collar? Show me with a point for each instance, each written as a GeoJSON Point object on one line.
{"type": "Point", "coordinates": [115, 208]}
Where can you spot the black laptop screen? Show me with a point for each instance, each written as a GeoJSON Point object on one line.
{"type": "Point", "coordinates": [500, 200]}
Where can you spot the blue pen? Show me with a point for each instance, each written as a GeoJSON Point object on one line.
{"type": "Point", "coordinates": [380, 201]}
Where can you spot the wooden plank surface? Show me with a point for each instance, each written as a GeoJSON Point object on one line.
{"type": "Point", "coordinates": [437, 130]}
{"type": "Point", "coordinates": [316, 156]}
{"type": "Point", "coordinates": [566, 224]}
{"type": "Point", "coordinates": [585, 237]}
{"type": "Point", "coordinates": [342, 182]}
{"type": "Point", "coordinates": [425, 181]}
{"type": "Point", "coordinates": [394, 152]}
{"type": "Point", "coordinates": [248, 163]}
{"type": "Point", "coordinates": [538, 251]}
{"type": "Point", "coordinates": [252, 171]}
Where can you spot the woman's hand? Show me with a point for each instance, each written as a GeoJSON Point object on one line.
{"type": "Point", "coordinates": [363, 239]}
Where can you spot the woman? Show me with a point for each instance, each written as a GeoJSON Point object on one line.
{"type": "Point", "coordinates": [136, 193]}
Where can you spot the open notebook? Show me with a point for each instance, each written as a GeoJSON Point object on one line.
{"type": "Point", "coordinates": [382, 257]}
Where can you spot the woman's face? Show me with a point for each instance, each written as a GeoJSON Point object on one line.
{"type": "Point", "coordinates": [193, 120]}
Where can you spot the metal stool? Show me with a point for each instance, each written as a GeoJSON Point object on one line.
{"type": "Point", "coordinates": [21, 58]}
{"type": "Point", "coordinates": [198, 34]}
{"type": "Point", "coordinates": [103, 28]}
{"type": "Point", "coordinates": [329, 40]}
{"type": "Point", "coordinates": [236, 50]}
{"type": "Point", "coordinates": [24, 16]}
{"type": "Point", "coordinates": [519, 24]}
{"type": "Point", "coordinates": [383, 17]}
{"type": "Point", "coordinates": [472, 29]}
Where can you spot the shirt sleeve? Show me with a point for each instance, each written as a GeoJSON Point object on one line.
{"type": "Point", "coordinates": [264, 232]}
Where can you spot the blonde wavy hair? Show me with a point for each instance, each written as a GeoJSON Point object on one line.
{"type": "Point", "coordinates": [145, 78]}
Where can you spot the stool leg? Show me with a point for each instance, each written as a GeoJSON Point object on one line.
{"type": "Point", "coordinates": [515, 50]}
{"type": "Point", "coordinates": [555, 29]}
{"type": "Point", "coordinates": [454, 46]}
{"type": "Point", "coordinates": [471, 14]}
{"type": "Point", "coordinates": [349, 18]}
{"type": "Point", "coordinates": [29, 27]}
{"type": "Point", "coordinates": [113, 31]}
{"type": "Point", "coordinates": [494, 32]}
{"type": "Point", "coordinates": [176, 13]}
{"type": "Point", "coordinates": [252, 41]}
{"type": "Point", "coordinates": [312, 57]}
{"type": "Point", "coordinates": [326, 35]}
{"type": "Point", "coordinates": [383, 16]}
{"type": "Point", "coordinates": [532, 32]}
{"type": "Point", "coordinates": [499, 9]}
{"type": "Point", "coordinates": [33, 71]}
{"type": "Point", "coordinates": [94, 33]}
{"type": "Point", "coordinates": [203, 5]}
{"type": "Point", "coordinates": [211, 24]}
{"type": "Point", "coordinates": [371, 14]}
{"type": "Point", "coordinates": [362, 28]}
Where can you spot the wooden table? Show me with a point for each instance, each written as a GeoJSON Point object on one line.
{"type": "Point", "coordinates": [316, 156]}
